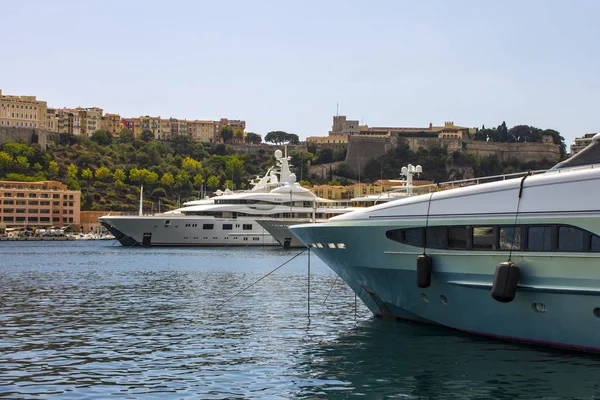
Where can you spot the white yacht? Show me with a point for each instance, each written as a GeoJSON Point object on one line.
{"type": "Point", "coordinates": [227, 219]}
{"type": "Point", "coordinates": [516, 259]}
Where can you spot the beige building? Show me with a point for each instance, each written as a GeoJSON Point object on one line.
{"type": "Point", "coordinates": [327, 139]}
{"type": "Point", "coordinates": [581, 143]}
{"type": "Point", "coordinates": [89, 220]}
{"type": "Point", "coordinates": [51, 120]}
{"type": "Point", "coordinates": [38, 204]}
{"type": "Point", "coordinates": [201, 131]}
{"type": "Point", "coordinates": [343, 127]}
{"type": "Point", "coordinates": [111, 123]}
{"type": "Point", "coordinates": [22, 111]}
{"type": "Point", "coordinates": [234, 123]}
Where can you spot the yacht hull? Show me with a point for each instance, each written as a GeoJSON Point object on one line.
{"type": "Point", "coordinates": [181, 230]}
{"type": "Point", "coordinates": [280, 230]}
{"type": "Point", "coordinates": [557, 301]}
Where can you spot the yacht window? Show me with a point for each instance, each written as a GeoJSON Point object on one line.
{"type": "Point", "coordinates": [510, 238]}
{"type": "Point", "coordinates": [247, 227]}
{"type": "Point", "coordinates": [572, 239]}
{"type": "Point", "coordinates": [207, 226]}
{"type": "Point", "coordinates": [457, 237]}
{"type": "Point", "coordinates": [168, 222]}
{"type": "Point", "coordinates": [413, 236]}
{"type": "Point", "coordinates": [595, 243]}
{"type": "Point", "coordinates": [227, 227]}
{"type": "Point", "coordinates": [483, 237]}
{"type": "Point", "coordinates": [436, 237]}
{"type": "Point", "coordinates": [539, 238]}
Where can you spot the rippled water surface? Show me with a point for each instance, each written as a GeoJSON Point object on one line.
{"type": "Point", "coordinates": [91, 319]}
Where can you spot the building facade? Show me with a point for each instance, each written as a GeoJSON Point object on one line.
{"type": "Point", "coordinates": [581, 143]}
{"type": "Point", "coordinates": [22, 111]}
{"type": "Point", "coordinates": [89, 221]}
{"type": "Point", "coordinates": [39, 204]}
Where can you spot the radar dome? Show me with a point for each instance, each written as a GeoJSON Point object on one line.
{"type": "Point", "coordinates": [278, 153]}
{"type": "Point", "coordinates": [292, 178]}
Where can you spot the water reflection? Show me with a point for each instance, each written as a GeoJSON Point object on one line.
{"type": "Point", "coordinates": [387, 359]}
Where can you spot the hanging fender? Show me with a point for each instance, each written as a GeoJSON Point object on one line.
{"type": "Point", "coordinates": [424, 266]}
{"type": "Point", "coordinates": [506, 280]}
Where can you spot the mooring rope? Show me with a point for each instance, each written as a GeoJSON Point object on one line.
{"type": "Point", "coordinates": [260, 279]}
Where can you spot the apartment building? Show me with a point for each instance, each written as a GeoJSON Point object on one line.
{"type": "Point", "coordinates": [38, 204]}
{"type": "Point", "coordinates": [581, 143]}
{"type": "Point", "coordinates": [111, 123]}
{"type": "Point", "coordinates": [22, 111]}
{"type": "Point", "coordinates": [202, 131]}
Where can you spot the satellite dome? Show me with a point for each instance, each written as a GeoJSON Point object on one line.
{"type": "Point", "coordinates": [278, 153]}
{"type": "Point", "coordinates": [292, 178]}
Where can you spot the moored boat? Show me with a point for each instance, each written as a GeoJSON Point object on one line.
{"type": "Point", "coordinates": [515, 259]}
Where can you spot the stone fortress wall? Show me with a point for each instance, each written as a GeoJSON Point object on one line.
{"type": "Point", "coordinates": [30, 135]}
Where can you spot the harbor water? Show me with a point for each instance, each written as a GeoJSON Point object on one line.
{"type": "Point", "coordinates": [92, 319]}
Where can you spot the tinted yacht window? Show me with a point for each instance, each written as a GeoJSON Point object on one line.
{"type": "Point", "coordinates": [457, 237]}
{"type": "Point", "coordinates": [436, 237]}
{"type": "Point", "coordinates": [572, 239]}
{"type": "Point", "coordinates": [509, 238]}
{"type": "Point", "coordinates": [483, 237]}
{"type": "Point", "coordinates": [539, 238]}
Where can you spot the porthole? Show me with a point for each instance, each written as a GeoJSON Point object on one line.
{"type": "Point", "coordinates": [597, 312]}
{"type": "Point", "coordinates": [538, 307]}
{"type": "Point", "coordinates": [443, 299]}
{"type": "Point", "coordinates": [425, 297]}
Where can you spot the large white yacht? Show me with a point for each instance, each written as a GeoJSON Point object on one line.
{"type": "Point", "coordinates": [229, 218]}
{"type": "Point", "coordinates": [517, 259]}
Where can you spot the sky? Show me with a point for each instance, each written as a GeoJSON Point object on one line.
{"type": "Point", "coordinates": [292, 65]}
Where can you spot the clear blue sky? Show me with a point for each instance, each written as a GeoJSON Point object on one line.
{"type": "Point", "coordinates": [283, 65]}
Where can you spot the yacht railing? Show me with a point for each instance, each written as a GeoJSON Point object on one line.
{"type": "Point", "coordinates": [436, 187]}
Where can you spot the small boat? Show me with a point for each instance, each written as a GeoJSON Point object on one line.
{"type": "Point", "coordinates": [515, 259]}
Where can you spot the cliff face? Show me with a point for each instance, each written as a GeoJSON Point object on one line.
{"type": "Point", "coordinates": [30, 135]}
{"type": "Point", "coordinates": [363, 148]}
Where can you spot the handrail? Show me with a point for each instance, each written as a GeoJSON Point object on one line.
{"type": "Point", "coordinates": [434, 187]}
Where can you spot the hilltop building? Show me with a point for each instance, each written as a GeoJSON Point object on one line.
{"type": "Point", "coordinates": [22, 111]}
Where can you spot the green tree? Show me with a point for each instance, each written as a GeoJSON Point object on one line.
{"type": "Point", "coordinates": [213, 182]}
{"type": "Point", "coordinates": [182, 180]}
{"type": "Point", "coordinates": [147, 135]}
{"type": "Point", "coordinates": [52, 169]}
{"type": "Point", "coordinates": [6, 161]}
{"type": "Point", "coordinates": [119, 175]}
{"type": "Point", "coordinates": [226, 133]}
{"type": "Point", "coordinates": [253, 138]}
{"type": "Point", "coordinates": [191, 166]}
{"type": "Point", "coordinates": [72, 171]}
{"type": "Point", "coordinates": [277, 137]}
{"type": "Point", "coordinates": [126, 136]}
{"type": "Point", "coordinates": [102, 174]}
{"type": "Point", "coordinates": [238, 135]}
{"type": "Point", "coordinates": [167, 180]}
{"type": "Point", "coordinates": [87, 174]}
{"type": "Point", "coordinates": [102, 137]}
{"type": "Point", "coordinates": [21, 163]}
{"type": "Point", "coordinates": [234, 169]}
{"type": "Point", "coordinates": [198, 181]}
